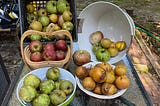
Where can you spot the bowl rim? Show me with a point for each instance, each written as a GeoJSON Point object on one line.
{"type": "Point", "coordinates": [128, 19]}
{"type": "Point", "coordinates": [90, 93]}
{"type": "Point", "coordinates": [66, 102]}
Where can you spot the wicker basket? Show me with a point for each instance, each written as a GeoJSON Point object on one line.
{"type": "Point", "coordinates": [25, 52]}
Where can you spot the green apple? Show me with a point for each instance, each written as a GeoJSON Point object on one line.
{"type": "Point", "coordinates": [41, 100]}
{"type": "Point", "coordinates": [32, 80]}
{"type": "Point", "coordinates": [44, 20]}
{"type": "Point", "coordinates": [57, 97]}
{"type": "Point", "coordinates": [46, 38]}
{"type": "Point", "coordinates": [53, 18]}
{"type": "Point", "coordinates": [51, 7]}
{"type": "Point", "coordinates": [102, 54]}
{"type": "Point", "coordinates": [66, 86]}
{"type": "Point", "coordinates": [35, 37]}
{"type": "Point", "coordinates": [95, 47]}
{"type": "Point", "coordinates": [53, 73]}
{"type": "Point", "coordinates": [62, 5]}
{"type": "Point", "coordinates": [42, 12]}
{"type": "Point", "coordinates": [47, 86]}
{"type": "Point", "coordinates": [67, 15]}
{"type": "Point", "coordinates": [57, 84]}
{"type": "Point", "coordinates": [67, 26]}
{"type": "Point", "coordinates": [27, 93]}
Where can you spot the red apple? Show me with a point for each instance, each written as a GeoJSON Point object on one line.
{"type": "Point", "coordinates": [60, 55]}
{"type": "Point", "coordinates": [35, 46]}
{"type": "Point", "coordinates": [49, 55]}
{"type": "Point", "coordinates": [49, 46]}
{"type": "Point", "coordinates": [61, 45]}
{"type": "Point", "coordinates": [36, 56]}
{"type": "Point", "coordinates": [60, 20]}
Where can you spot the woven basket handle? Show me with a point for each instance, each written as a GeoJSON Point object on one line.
{"type": "Point", "coordinates": [50, 27]}
{"type": "Point", "coordinates": [29, 32]}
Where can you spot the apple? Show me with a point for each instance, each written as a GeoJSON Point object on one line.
{"type": "Point", "coordinates": [35, 37]}
{"type": "Point", "coordinates": [60, 20]}
{"type": "Point", "coordinates": [46, 38]}
{"type": "Point", "coordinates": [67, 26]}
{"type": "Point", "coordinates": [81, 57]}
{"type": "Point", "coordinates": [49, 46]}
{"type": "Point", "coordinates": [57, 97]}
{"type": "Point", "coordinates": [32, 80]}
{"type": "Point", "coordinates": [96, 37]}
{"type": "Point", "coordinates": [53, 18]}
{"type": "Point", "coordinates": [66, 86]}
{"type": "Point", "coordinates": [57, 83]}
{"type": "Point", "coordinates": [49, 55]}
{"type": "Point", "coordinates": [105, 43]}
{"type": "Point", "coordinates": [44, 20]}
{"type": "Point", "coordinates": [30, 8]}
{"type": "Point", "coordinates": [62, 5]}
{"type": "Point", "coordinates": [67, 15]}
{"type": "Point", "coordinates": [36, 56]}
{"type": "Point", "coordinates": [61, 45]}
{"type": "Point", "coordinates": [35, 46]}
{"type": "Point", "coordinates": [47, 86]}
{"type": "Point", "coordinates": [41, 100]}
{"type": "Point", "coordinates": [35, 25]}
{"type": "Point", "coordinates": [53, 73]}
{"type": "Point", "coordinates": [51, 7]}
{"type": "Point", "coordinates": [102, 54]}
{"type": "Point", "coordinates": [27, 93]}
{"type": "Point", "coordinates": [31, 17]}
{"type": "Point", "coordinates": [60, 55]}
{"type": "Point", "coordinates": [42, 12]}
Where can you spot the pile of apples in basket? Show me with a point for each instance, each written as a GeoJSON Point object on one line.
{"type": "Point", "coordinates": [47, 52]}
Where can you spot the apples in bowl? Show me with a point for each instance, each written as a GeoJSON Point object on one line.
{"type": "Point", "coordinates": [51, 83]}
{"type": "Point", "coordinates": [102, 80]}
